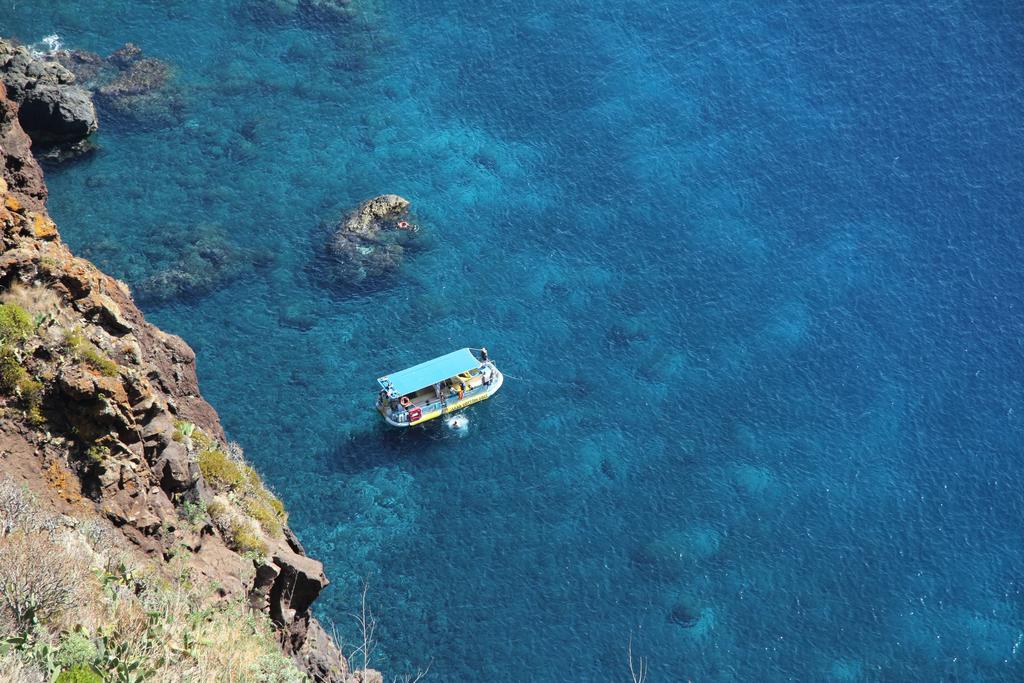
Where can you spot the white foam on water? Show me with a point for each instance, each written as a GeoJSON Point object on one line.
{"type": "Point", "coordinates": [47, 46]}
{"type": "Point", "coordinates": [458, 424]}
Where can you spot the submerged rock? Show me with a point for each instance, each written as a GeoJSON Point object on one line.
{"type": "Point", "coordinates": [53, 109]}
{"type": "Point", "coordinates": [191, 261]}
{"type": "Point", "coordinates": [317, 10]}
{"type": "Point", "coordinates": [677, 553]}
{"type": "Point", "coordinates": [299, 317]}
{"type": "Point", "coordinates": [129, 86]}
{"type": "Point", "coordinates": [684, 613]}
{"type": "Point", "coordinates": [337, 10]}
{"type": "Point", "coordinates": [370, 241]}
{"type": "Point", "coordinates": [85, 65]}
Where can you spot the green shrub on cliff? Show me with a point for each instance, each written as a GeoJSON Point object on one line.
{"type": "Point", "coordinates": [261, 510]}
{"type": "Point", "coordinates": [200, 439]}
{"type": "Point", "coordinates": [76, 649]}
{"type": "Point", "coordinates": [250, 494]}
{"type": "Point", "coordinates": [32, 395]}
{"type": "Point", "coordinates": [240, 534]}
{"type": "Point", "coordinates": [15, 323]}
{"type": "Point", "coordinates": [81, 673]}
{"type": "Point", "coordinates": [85, 351]}
{"type": "Point", "coordinates": [218, 469]}
{"type": "Point", "coordinates": [97, 454]}
{"type": "Point", "coordinates": [183, 431]}
{"type": "Point", "coordinates": [195, 513]}
{"type": "Point", "coordinates": [16, 326]}
{"type": "Point", "coordinates": [246, 510]}
{"type": "Point", "coordinates": [218, 511]}
{"type": "Point", "coordinates": [11, 372]}
{"type": "Point", "coordinates": [73, 339]}
{"type": "Point", "coordinates": [243, 538]}
{"type": "Point", "coordinates": [92, 357]}
{"type": "Point", "coordinates": [15, 380]}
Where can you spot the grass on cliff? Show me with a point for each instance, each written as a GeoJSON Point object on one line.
{"type": "Point", "coordinates": [39, 301]}
{"type": "Point", "coordinates": [12, 374]}
{"type": "Point", "coordinates": [75, 608]}
{"type": "Point", "coordinates": [16, 325]}
{"type": "Point", "coordinates": [86, 352]}
{"type": "Point", "coordinates": [240, 533]}
{"type": "Point", "coordinates": [244, 497]}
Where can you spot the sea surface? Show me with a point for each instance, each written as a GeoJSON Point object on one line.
{"type": "Point", "coordinates": [753, 270]}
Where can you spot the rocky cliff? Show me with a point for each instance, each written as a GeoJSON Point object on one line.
{"type": "Point", "coordinates": [103, 421]}
{"type": "Point", "coordinates": [55, 111]}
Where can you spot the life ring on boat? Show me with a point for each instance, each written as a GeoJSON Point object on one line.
{"type": "Point", "coordinates": [405, 401]}
{"type": "Point", "coordinates": [415, 414]}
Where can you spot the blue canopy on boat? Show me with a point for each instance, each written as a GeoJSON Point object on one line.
{"type": "Point", "coordinates": [431, 372]}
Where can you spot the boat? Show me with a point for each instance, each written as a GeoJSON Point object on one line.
{"type": "Point", "coordinates": [437, 387]}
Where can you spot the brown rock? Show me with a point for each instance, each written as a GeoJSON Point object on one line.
{"type": "Point", "coordinates": [157, 431]}
{"type": "Point", "coordinates": [321, 657]}
{"type": "Point", "coordinates": [42, 227]}
{"type": "Point", "coordinates": [21, 170]}
{"type": "Point", "coordinates": [366, 217]}
{"type": "Point", "coordinates": [293, 541]}
{"type": "Point", "coordinates": [259, 594]}
{"type": "Point", "coordinates": [174, 470]}
{"type": "Point", "coordinates": [140, 393]}
{"type": "Point", "coordinates": [369, 242]}
{"type": "Point", "coordinates": [301, 580]}
{"type": "Point", "coordinates": [212, 560]}
{"type": "Point", "coordinates": [127, 506]}
{"type": "Point", "coordinates": [77, 384]}
{"type": "Point", "coordinates": [52, 109]}
{"type": "Point", "coordinates": [75, 280]}
{"type": "Point", "coordinates": [175, 373]}
{"type": "Point", "coordinates": [105, 311]}
{"type": "Point", "coordinates": [113, 388]}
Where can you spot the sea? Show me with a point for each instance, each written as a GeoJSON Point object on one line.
{"type": "Point", "coordinates": [752, 270]}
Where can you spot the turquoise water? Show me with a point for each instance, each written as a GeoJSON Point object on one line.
{"type": "Point", "coordinates": [752, 270]}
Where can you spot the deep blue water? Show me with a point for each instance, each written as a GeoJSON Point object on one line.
{"type": "Point", "coordinates": [753, 271]}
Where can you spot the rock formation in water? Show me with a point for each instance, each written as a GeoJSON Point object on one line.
{"type": "Point", "coordinates": [129, 87]}
{"type": "Point", "coordinates": [192, 260]}
{"type": "Point", "coordinates": [104, 428]}
{"type": "Point", "coordinates": [53, 109]}
{"type": "Point", "coordinates": [370, 241]}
